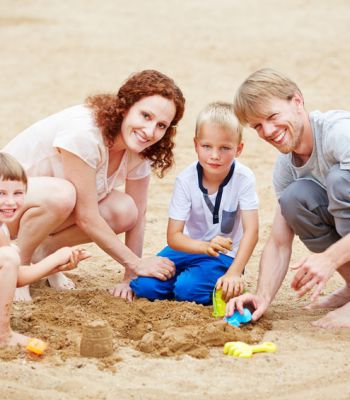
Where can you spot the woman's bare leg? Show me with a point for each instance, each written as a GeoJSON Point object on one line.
{"type": "Point", "coordinates": [117, 209]}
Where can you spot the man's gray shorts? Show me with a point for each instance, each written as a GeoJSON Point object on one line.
{"type": "Point", "coordinates": [318, 216]}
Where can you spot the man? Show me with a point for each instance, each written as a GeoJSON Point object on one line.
{"type": "Point", "coordinates": [312, 183]}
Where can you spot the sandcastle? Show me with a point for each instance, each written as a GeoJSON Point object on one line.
{"type": "Point", "coordinates": [96, 340]}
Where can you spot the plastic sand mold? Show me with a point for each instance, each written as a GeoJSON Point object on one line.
{"type": "Point", "coordinates": [236, 319]}
{"type": "Point", "coordinates": [36, 346]}
{"type": "Point", "coordinates": [219, 306]}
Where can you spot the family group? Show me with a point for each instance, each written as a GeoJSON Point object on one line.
{"type": "Point", "coordinates": [82, 175]}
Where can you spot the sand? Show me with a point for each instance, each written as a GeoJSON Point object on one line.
{"type": "Point", "coordinates": [54, 54]}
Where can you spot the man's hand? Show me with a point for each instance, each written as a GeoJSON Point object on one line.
{"type": "Point", "coordinates": [249, 300]}
{"type": "Point", "coordinates": [312, 274]}
{"type": "Point", "coordinates": [232, 285]}
{"type": "Point", "coordinates": [219, 243]}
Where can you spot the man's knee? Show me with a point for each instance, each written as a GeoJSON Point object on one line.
{"type": "Point", "coordinates": [304, 205]}
{"type": "Point", "coordinates": [338, 191]}
{"type": "Point", "coordinates": [301, 195]}
{"type": "Point", "coordinates": [338, 185]}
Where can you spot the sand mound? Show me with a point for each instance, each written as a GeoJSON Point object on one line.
{"type": "Point", "coordinates": [161, 328]}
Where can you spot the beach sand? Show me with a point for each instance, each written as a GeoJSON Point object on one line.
{"type": "Point", "coordinates": [56, 53]}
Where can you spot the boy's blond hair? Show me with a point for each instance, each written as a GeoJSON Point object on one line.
{"type": "Point", "coordinates": [220, 113]}
{"type": "Point", "coordinates": [11, 169]}
{"type": "Point", "coordinates": [260, 86]}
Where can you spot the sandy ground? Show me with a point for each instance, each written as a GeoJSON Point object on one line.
{"type": "Point", "coordinates": [54, 54]}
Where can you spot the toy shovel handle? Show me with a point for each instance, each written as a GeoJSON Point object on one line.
{"type": "Point", "coordinates": [266, 347]}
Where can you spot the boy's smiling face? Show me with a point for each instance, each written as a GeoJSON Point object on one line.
{"type": "Point", "coordinates": [216, 146]}
{"type": "Point", "coordinates": [11, 199]}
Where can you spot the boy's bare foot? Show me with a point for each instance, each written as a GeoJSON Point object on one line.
{"type": "Point", "coordinates": [22, 294]}
{"type": "Point", "coordinates": [59, 281]}
{"type": "Point", "coordinates": [334, 300]}
{"type": "Point", "coordinates": [13, 339]}
{"type": "Point", "coordinates": [339, 318]}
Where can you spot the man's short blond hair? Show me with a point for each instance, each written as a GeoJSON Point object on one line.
{"type": "Point", "coordinates": [11, 169]}
{"type": "Point", "coordinates": [222, 114]}
{"type": "Point", "coordinates": [260, 86]}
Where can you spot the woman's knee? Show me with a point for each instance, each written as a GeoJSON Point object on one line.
{"type": "Point", "coordinates": [120, 212]}
{"type": "Point", "coordinates": [57, 196]}
{"type": "Point", "coordinates": [62, 201]}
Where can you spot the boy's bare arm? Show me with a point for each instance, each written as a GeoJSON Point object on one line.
{"type": "Point", "coordinates": [178, 241]}
{"type": "Point", "coordinates": [250, 222]}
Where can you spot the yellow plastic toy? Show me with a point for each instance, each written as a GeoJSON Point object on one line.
{"type": "Point", "coordinates": [244, 350]}
{"type": "Point", "coordinates": [36, 346]}
{"type": "Point", "coordinates": [219, 306]}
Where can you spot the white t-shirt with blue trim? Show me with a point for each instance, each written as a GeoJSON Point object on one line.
{"type": "Point", "coordinates": [188, 204]}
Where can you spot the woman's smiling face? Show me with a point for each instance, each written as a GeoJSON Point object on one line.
{"type": "Point", "coordinates": [145, 123]}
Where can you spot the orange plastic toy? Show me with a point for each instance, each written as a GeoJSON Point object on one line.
{"type": "Point", "coordinates": [36, 346]}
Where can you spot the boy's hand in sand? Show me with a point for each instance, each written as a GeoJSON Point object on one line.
{"type": "Point", "coordinates": [68, 258]}
{"type": "Point", "coordinates": [218, 244]}
{"type": "Point", "coordinates": [123, 290]}
{"type": "Point", "coordinates": [312, 273]}
{"type": "Point", "coordinates": [249, 300]}
{"type": "Point", "coordinates": [232, 285]}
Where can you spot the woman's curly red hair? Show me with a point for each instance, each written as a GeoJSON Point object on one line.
{"type": "Point", "coordinates": [109, 111]}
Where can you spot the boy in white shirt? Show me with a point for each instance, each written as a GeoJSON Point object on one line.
{"type": "Point", "coordinates": [213, 216]}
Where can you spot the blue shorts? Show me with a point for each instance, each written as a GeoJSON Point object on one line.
{"type": "Point", "coordinates": [195, 278]}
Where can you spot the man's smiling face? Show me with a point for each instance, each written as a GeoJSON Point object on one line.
{"type": "Point", "coordinates": [280, 123]}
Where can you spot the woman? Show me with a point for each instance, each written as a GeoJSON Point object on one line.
{"type": "Point", "coordinates": [78, 157]}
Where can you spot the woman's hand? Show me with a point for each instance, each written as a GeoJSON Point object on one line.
{"type": "Point", "coordinates": [156, 267]}
{"type": "Point", "coordinates": [123, 290]}
{"type": "Point", "coordinates": [232, 285]}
